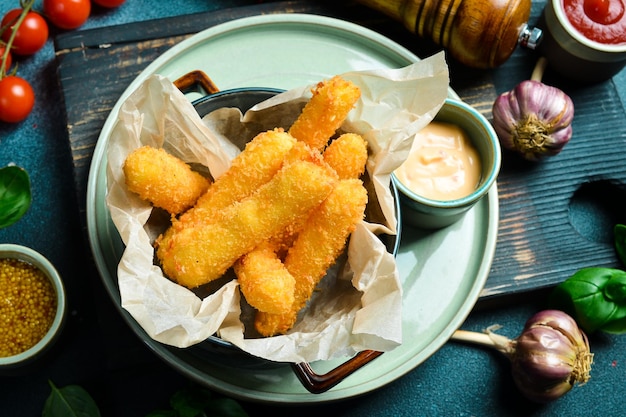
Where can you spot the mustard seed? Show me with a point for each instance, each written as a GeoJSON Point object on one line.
{"type": "Point", "coordinates": [27, 306]}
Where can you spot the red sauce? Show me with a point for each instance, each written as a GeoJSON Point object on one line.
{"type": "Point", "coordinates": [603, 21]}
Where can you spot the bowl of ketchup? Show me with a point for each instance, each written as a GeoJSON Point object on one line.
{"type": "Point", "coordinates": [585, 40]}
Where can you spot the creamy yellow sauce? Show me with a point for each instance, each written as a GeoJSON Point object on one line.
{"type": "Point", "coordinates": [442, 163]}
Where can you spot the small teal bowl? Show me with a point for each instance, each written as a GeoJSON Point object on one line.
{"type": "Point", "coordinates": [426, 213]}
{"type": "Point", "coordinates": [26, 359]}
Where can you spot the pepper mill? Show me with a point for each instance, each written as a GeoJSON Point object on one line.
{"type": "Point", "coordinates": [477, 33]}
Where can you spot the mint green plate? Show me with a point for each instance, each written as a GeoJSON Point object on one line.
{"type": "Point", "coordinates": [442, 271]}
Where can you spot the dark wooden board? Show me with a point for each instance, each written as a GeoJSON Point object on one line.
{"type": "Point", "coordinates": [548, 229]}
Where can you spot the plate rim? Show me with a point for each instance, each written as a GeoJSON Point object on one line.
{"type": "Point", "coordinates": [162, 351]}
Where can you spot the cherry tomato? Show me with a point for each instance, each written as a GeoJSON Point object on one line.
{"type": "Point", "coordinates": [67, 14]}
{"type": "Point", "coordinates": [9, 58]}
{"type": "Point", "coordinates": [32, 34]}
{"type": "Point", "coordinates": [17, 99]}
{"type": "Point", "coordinates": [109, 3]}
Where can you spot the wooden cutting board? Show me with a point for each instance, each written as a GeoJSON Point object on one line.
{"type": "Point", "coordinates": [555, 217]}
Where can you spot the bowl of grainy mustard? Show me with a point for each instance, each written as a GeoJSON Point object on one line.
{"type": "Point", "coordinates": [32, 305]}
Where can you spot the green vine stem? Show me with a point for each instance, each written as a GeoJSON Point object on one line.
{"type": "Point", "coordinates": [26, 6]}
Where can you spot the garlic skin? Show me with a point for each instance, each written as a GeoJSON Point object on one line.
{"type": "Point", "coordinates": [533, 119]}
{"type": "Point", "coordinates": [550, 356]}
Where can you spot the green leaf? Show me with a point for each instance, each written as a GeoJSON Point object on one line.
{"type": "Point", "coordinates": [225, 407]}
{"type": "Point", "coordinates": [619, 233]}
{"type": "Point", "coordinates": [595, 297]}
{"type": "Point", "coordinates": [615, 290]}
{"type": "Point", "coordinates": [199, 402]}
{"type": "Point", "coordinates": [15, 196]}
{"type": "Point", "coordinates": [190, 402]}
{"type": "Point", "coordinates": [69, 401]}
{"type": "Point", "coordinates": [615, 326]}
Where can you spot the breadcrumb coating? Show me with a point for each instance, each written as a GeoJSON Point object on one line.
{"type": "Point", "coordinates": [195, 255]}
{"type": "Point", "coordinates": [324, 113]}
{"type": "Point", "coordinates": [264, 281]}
{"type": "Point", "coordinates": [163, 179]}
{"type": "Point", "coordinates": [316, 248]}
{"type": "Point", "coordinates": [256, 165]}
{"type": "Point", "coordinates": [347, 155]}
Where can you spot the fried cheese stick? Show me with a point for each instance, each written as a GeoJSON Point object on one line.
{"type": "Point", "coordinates": [195, 255]}
{"type": "Point", "coordinates": [261, 159]}
{"type": "Point", "coordinates": [316, 248]}
{"type": "Point", "coordinates": [324, 113]}
{"type": "Point", "coordinates": [264, 281]}
{"type": "Point", "coordinates": [163, 179]}
{"type": "Point", "coordinates": [347, 155]}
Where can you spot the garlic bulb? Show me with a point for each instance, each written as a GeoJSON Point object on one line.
{"type": "Point", "coordinates": [534, 119]}
{"type": "Point", "coordinates": [549, 357]}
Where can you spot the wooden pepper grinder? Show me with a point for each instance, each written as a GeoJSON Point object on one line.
{"type": "Point", "coordinates": [477, 33]}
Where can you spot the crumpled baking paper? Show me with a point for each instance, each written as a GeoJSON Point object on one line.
{"type": "Point", "coordinates": [359, 304]}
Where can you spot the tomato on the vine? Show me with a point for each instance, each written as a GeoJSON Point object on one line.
{"type": "Point", "coordinates": [30, 36]}
{"type": "Point", "coordinates": [9, 58]}
{"type": "Point", "coordinates": [109, 3]}
{"type": "Point", "coordinates": [17, 99]}
{"type": "Point", "coordinates": [67, 14]}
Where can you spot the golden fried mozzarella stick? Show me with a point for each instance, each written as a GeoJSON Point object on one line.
{"type": "Point", "coordinates": [260, 160]}
{"type": "Point", "coordinates": [347, 155]}
{"type": "Point", "coordinates": [264, 281]}
{"type": "Point", "coordinates": [163, 179]}
{"type": "Point", "coordinates": [268, 324]}
{"type": "Point", "coordinates": [331, 102]}
{"type": "Point", "coordinates": [316, 248]}
{"type": "Point", "coordinates": [202, 252]}
{"type": "Point", "coordinates": [302, 152]}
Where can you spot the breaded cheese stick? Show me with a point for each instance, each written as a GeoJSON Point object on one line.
{"type": "Point", "coordinates": [163, 179]}
{"type": "Point", "coordinates": [264, 281]}
{"type": "Point", "coordinates": [316, 248]}
{"type": "Point", "coordinates": [260, 160]}
{"type": "Point", "coordinates": [347, 155]}
{"type": "Point", "coordinates": [202, 252]}
{"type": "Point", "coordinates": [331, 102]}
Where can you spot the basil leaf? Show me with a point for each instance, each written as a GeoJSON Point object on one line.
{"type": "Point", "coordinates": [595, 297]}
{"type": "Point", "coordinates": [15, 196]}
{"type": "Point", "coordinates": [619, 233]}
{"type": "Point", "coordinates": [199, 402]}
{"type": "Point", "coordinates": [615, 326]}
{"type": "Point", "coordinates": [190, 402]}
{"type": "Point", "coordinates": [615, 291]}
{"type": "Point", "coordinates": [225, 407]}
{"type": "Point", "coordinates": [70, 401]}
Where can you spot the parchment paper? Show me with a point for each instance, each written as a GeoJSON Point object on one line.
{"type": "Point", "coordinates": [359, 304]}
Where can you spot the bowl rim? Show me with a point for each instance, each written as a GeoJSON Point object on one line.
{"type": "Point", "coordinates": [486, 183]}
{"type": "Point", "coordinates": [24, 253]}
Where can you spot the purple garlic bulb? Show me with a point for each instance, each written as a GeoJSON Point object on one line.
{"type": "Point", "coordinates": [550, 356]}
{"type": "Point", "coordinates": [533, 119]}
